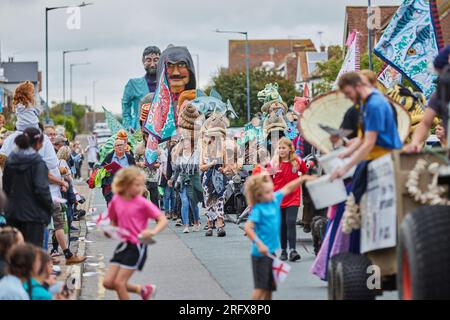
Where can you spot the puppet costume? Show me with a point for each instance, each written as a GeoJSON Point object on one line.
{"type": "Point", "coordinates": [134, 91]}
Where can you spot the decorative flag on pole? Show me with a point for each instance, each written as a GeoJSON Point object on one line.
{"type": "Point", "coordinates": [1, 99]}
{"type": "Point", "coordinates": [389, 77]}
{"type": "Point", "coordinates": [411, 41]}
{"type": "Point", "coordinates": [353, 56]}
{"type": "Point", "coordinates": [113, 124]}
{"type": "Point", "coordinates": [160, 122]}
{"type": "Point", "coordinates": [280, 269]}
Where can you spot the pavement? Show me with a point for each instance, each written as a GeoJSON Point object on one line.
{"type": "Point", "coordinates": [192, 266]}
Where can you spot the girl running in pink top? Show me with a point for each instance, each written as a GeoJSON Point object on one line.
{"type": "Point", "coordinates": [131, 212]}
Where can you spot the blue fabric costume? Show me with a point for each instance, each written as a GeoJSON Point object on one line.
{"type": "Point", "coordinates": [134, 91]}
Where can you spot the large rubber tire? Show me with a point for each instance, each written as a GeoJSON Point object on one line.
{"type": "Point", "coordinates": [423, 254]}
{"type": "Point", "coordinates": [350, 277]}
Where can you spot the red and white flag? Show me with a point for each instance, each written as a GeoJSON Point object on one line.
{"type": "Point", "coordinates": [280, 269]}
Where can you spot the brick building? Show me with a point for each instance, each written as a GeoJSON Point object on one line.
{"type": "Point", "coordinates": [444, 16]}
{"type": "Point", "coordinates": [264, 50]}
{"type": "Point", "coordinates": [356, 18]}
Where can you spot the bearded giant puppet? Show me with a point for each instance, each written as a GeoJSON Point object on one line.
{"type": "Point", "coordinates": [175, 78]}
{"type": "Point", "coordinates": [137, 88]}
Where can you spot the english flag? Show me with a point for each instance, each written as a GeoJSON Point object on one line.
{"type": "Point", "coordinates": [280, 270]}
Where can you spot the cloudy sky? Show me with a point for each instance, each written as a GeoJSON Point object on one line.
{"type": "Point", "coordinates": [116, 32]}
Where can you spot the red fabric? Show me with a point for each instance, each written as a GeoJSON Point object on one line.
{"type": "Point", "coordinates": [257, 170]}
{"type": "Point", "coordinates": [91, 180]}
{"type": "Point", "coordinates": [283, 177]}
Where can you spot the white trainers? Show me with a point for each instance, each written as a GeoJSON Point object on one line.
{"type": "Point", "coordinates": [196, 228]}
{"type": "Point", "coordinates": [186, 230]}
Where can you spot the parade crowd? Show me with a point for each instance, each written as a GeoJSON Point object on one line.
{"type": "Point", "coordinates": [180, 178]}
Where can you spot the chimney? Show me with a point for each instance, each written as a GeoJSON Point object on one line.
{"type": "Point", "coordinates": [322, 48]}
{"type": "Point", "coordinates": [10, 59]}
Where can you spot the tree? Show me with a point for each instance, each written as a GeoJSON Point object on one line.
{"type": "Point", "coordinates": [78, 112]}
{"type": "Point", "coordinates": [233, 86]}
{"type": "Point", "coordinates": [329, 70]}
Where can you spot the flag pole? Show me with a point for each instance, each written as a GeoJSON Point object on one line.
{"type": "Point", "coordinates": [369, 25]}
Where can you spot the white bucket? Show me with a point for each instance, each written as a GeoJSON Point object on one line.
{"type": "Point", "coordinates": [325, 193]}
{"type": "Point", "coordinates": [331, 162]}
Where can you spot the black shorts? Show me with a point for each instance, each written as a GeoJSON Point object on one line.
{"type": "Point", "coordinates": [263, 274]}
{"type": "Point", "coordinates": [130, 256]}
{"type": "Point", "coordinates": [91, 165]}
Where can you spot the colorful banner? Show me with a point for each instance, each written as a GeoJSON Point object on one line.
{"type": "Point", "coordinates": [409, 43]}
{"type": "Point", "coordinates": [160, 122]}
{"type": "Point", "coordinates": [352, 58]}
{"type": "Point", "coordinates": [389, 77]}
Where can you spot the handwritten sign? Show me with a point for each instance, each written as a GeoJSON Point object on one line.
{"type": "Point", "coordinates": [379, 210]}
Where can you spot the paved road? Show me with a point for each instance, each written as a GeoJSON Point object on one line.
{"type": "Point", "coordinates": [191, 266]}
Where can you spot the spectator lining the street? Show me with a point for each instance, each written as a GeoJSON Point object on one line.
{"type": "Point", "coordinates": [122, 158]}
{"type": "Point", "coordinates": [21, 259]}
{"type": "Point", "coordinates": [42, 268]}
{"type": "Point", "coordinates": [186, 180]}
{"type": "Point", "coordinates": [169, 198]}
{"type": "Point", "coordinates": [8, 238]}
{"type": "Point", "coordinates": [263, 228]}
{"type": "Point", "coordinates": [131, 212]}
{"type": "Point", "coordinates": [286, 167]}
{"type": "Point", "coordinates": [25, 182]}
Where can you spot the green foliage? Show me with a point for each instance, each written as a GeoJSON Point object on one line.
{"type": "Point", "coordinates": [74, 122]}
{"type": "Point", "coordinates": [329, 70]}
{"type": "Point", "coordinates": [70, 124]}
{"type": "Point", "coordinates": [233, 86]}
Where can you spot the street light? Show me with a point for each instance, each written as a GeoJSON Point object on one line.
{"type": "Point", "coordinates": [64, 69]}
{"type": "Point", "coordinates": [47, 9]}
{"type": "Point", "coordinates": [247, 66]}
{"type": "Point", "coordinates": [197, 67]}
{"type": "Point", "coordinates": [93, 99]}
{"type": "Point", "coordinates": [71, 68]}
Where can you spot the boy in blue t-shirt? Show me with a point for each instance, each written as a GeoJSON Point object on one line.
{"type": "Point", "coordinates": [263, 228]}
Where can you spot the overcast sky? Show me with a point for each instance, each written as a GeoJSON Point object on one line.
{"type": "Point", "coordinates": [116, 32]}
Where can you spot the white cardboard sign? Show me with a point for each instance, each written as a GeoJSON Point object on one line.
{"type": "Point", "coordinates": [379, 216]}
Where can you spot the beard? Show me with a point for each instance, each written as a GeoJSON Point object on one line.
{"type": "Point", "coordinates": [151, 71]}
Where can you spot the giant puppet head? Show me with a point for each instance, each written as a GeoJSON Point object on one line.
{"type": "Point", "coordinates": [180, 69]}
{"type": "Point", "coordinates": [150, 59]}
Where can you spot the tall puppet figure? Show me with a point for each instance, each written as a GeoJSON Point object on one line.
{"type": "Point", "coordinates": [137, 88]}
{"type": "Point", "coordinates": [175, 75]}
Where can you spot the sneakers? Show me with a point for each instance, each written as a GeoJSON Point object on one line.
{"type": "Point", "coordinates": [221, 232]}
{"type": "Point", "coordinates": [148, 291]}
{"type": "Point", "coordinates": [294, 256]}
{"type": "Point", "coordinates": [197, 228]}
{"type": "Point", "coordinates": [54, 253]}
{"type": "Point", "coordinates": [283, 255]}
{"type": "Point", "coordinates": [178, 223]}
{"type": "Point", "coordinates": [209, 232]}
{"type": "Point", "coordinates": [75, 259]}
{"type": "Point", "coordinates": [186, 230]}
{"type": "Point", "coordinates": [72, 228]}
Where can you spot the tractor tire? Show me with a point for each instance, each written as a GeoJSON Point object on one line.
{"type": "Point", "coordinates": [349, 277]}
{"type": "Point", "coordinates": [423, 254]}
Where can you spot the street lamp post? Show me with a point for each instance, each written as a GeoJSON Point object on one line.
{"type": "Point", "coordinates": [64, 69]}
{"type": "Point", "coordinates": [93, 101]}
{"type": "Point", "coordinates": [71, 68]}
{"type": "Point", "coordinates": [247, 66]}
{"type": "Point", "coordinates": [197, 67]}
{"type": "Point", "coordinates": [47, 9]}
{"type": "Point", "coordinates": [369, 24]}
